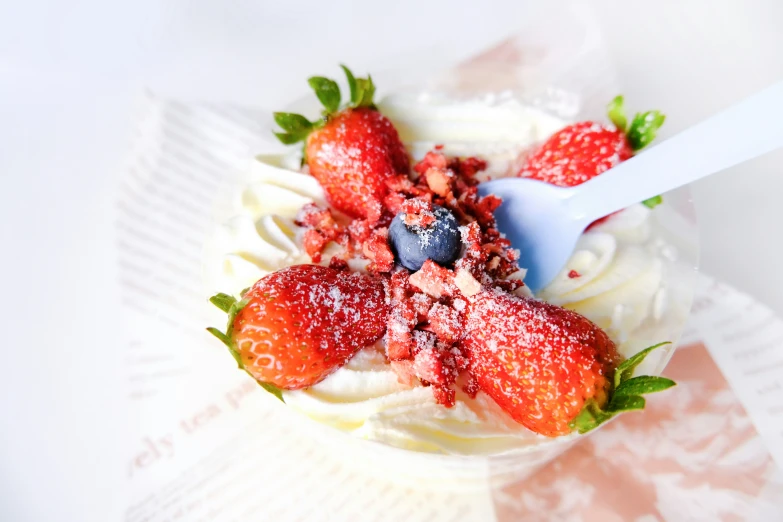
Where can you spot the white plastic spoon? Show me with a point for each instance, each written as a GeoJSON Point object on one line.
{"type": "Point", "coordinates": [544, 221]}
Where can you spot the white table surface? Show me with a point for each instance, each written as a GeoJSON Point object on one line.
{"type": "Point", "coordinates": [69, 75]}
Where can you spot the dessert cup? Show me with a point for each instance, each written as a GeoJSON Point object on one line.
{"type": "Point", "coordinates": [559, 69]}
{"type": "Point", "coordinates": [672, 240]}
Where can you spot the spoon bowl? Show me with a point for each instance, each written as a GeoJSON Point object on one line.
{"type": "Point", "coordinates": [535, 217]}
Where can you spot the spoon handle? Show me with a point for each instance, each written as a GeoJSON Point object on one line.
{"type": "Point", "coordinates": [744, 131]}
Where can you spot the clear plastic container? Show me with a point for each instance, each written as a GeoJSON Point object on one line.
{"type": "Point", "coordinates": [572, 79]}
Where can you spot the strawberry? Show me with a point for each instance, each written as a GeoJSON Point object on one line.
{"type": "Point", "coordinates": [352, 151]}
{"type": "Point", "coordinates": [296, 326]}
{"type": "Point", "coordinates": [550, 368]}
{"type": "Point", "coordinates": [581, 151]}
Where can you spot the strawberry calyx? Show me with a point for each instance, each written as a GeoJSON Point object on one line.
{"type": "Point", "coordinates": [362, 90]}
{"type": "Point", "coordinates": [231, 306]}
{"type": "Point", "coordinates": [616, 113]}
{"type": "Point", "coordinates": [644, 125]}
{"type": "Point", "coordinates": [296, 127]}
{"type": "Point", "coordinates": [626, 393]}
{"type": "Point", "coordinates": [641, 133]}
{"type": "Point", "coordinates": [653, 201]}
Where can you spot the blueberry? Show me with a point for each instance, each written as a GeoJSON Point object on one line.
{"type": "Point", "coordinates": [413, 245]}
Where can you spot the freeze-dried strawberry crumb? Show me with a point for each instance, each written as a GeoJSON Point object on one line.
{"type": "Point", "coordinates": [374, 211]}
{"type": "Point", "coordinates": [398, 346]}
{"type": "Point", "coordinates": [427, 366]}
{"type": "Point", "coordinates": [418, 212]}
{"type": "Point", "coordinates": [418, 204]}
{"type": "Point", "coordinates": [434, 280]}
{"type": "Point", "coordinates": [471, 236]}
{"type": "Point", "coordinates": [320, 229]}
{"type": "Point", "coordinates": [377, 250]}
{"type": "Point", "coordinates": [493, 263]}
{"type": "Point", "coordinates": [482, 208]}
{"type": "Point", "coordinates": [422, 304]}
{"type": "Point", "coordinates": [338, 263]}
{"type": "Point", "coordinates": [422, 341]}
{"type": "Point", "coordinates": [461, 360]}
{"type": "Point", "coordinates": [471, 386]}
{"type": "Point", "coordinates": [311, 215]}
{"type": "Point", "coordinates": [427, 308]}
{"type": "Point", "coordinates": [444, 395]}
{"type": "Point", "coordinates": [314, 244]}
{"type": "Point", "coordinates": [446, 323]}
{"type": "Point", "coordinates": [434, 366]}
{"type": "Point", "coordinates": [439, 180]}
{"type": "Point", "coordinates": [508, 285]}
{"type": "Point", "coordinates": [399, 339]}
{"type": "Point", "coordinates": [431, 160]}
{"type": "Point", "coordinates": [399, 284]}
{"type": "Point", "coordinates": [394, 202]}
{"type": "Point", "coordinates": [402, 184]}
{"type": "Point", "coordinates": [467, 167]}
{"type": "Point", "coordinates": [359, 231]}
{"type": "Point", "coordinates": [404, 371]}
{"type": "Point", "coordinates": [467, 284]}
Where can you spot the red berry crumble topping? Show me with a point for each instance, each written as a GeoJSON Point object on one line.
{"type": "Point", "coordinates": [426, 323]}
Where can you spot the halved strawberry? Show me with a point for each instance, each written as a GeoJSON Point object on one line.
{"type": "Point", "coordinates": [550, 368]}
{"type": "Point", "coordinates": [583, 150]}
{"type": "Point", "coordinates": [352, 151]}
{"type": "Point", "coordinates": [296, 326]}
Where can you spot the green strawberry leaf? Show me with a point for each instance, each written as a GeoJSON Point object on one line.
{"type": "Point", "coordinates": [362, 90]}
{"type": "Point", "coordinates": [328, 93]}
{"type": "Point", "coordinates": [643, 129]}
{"type": "Point", "coordinates": [232, 314]}
{"type": "Point", "coordinates": [653, 201]}
{"type": "Point", "coordinates": [223, 301]}
{"type": "Point", "coordinates": [584, 422]}
{"type": "Point", "coordinates": [351, 85]}
{"type": "Point", "coordinates": [225, 339]}
{"type": "Point", "coordinates": [296, 127]}
{"type": "Point", "coordinates": [288, 139]}
{"type": "Point", "coordinates": [643, 385]}
{"type": "Point", "coordinates": [293, 123]}
{"type": "Point", "coordinates": [271, 388]}
{"type": "Point", "coordinates": [590, 417]}
{"type": "Point", "coordinates": [623, 403]}
{"type": "Point", "coordinates": [617, 113]}
{"type": "Point", "coordinates": [366, 91]}
{"type": "Point", "coordinates": [220, 335]}
{"type": "Point", "coordinates": [625, 370]}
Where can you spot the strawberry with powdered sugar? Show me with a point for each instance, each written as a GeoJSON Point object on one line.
{"type": "Point", "coordinates": [584, 150]}
{"type": "Point", "coordinates": [296, 326]}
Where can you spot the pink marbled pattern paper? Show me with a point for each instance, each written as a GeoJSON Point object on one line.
{"type": "Point", "coordinates": [692, 455]}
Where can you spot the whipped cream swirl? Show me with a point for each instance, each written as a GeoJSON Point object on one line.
{"type": "Point", "coordinates": [262, 237]}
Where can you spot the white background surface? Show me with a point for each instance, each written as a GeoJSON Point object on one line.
{"type": "Point", "coordinates": [69, 75]}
